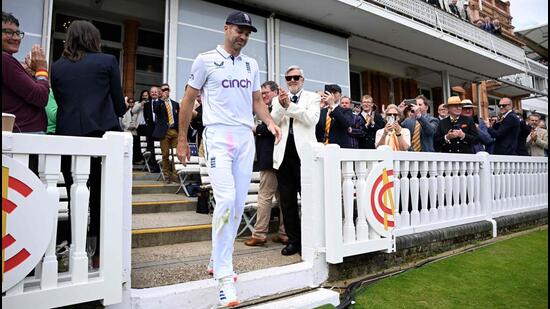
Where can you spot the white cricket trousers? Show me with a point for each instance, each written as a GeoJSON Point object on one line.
{"type": "Point", "coordinates": [229, 154]}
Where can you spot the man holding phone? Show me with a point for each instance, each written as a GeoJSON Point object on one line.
{"type": "Point", "coordinates": [456, 133]}
{"type": "Point", "coordinates": [334, 120]}
{"type": "Point", "coordinates": [422, 126]}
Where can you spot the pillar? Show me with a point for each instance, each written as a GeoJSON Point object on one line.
{"type": "Point", "coordinates": [446, 85]}
{"type": "Point", "coordinates": [129, 59]}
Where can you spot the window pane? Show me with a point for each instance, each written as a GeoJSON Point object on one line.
{"type": "Point", "coordinates": [149, 63]}
{"type": "Point", "coordinates": [355, 85]}
{"type": "Point", "coordinates": [150, 39]}
{"type": "Point", "coordinates": [62, 22]}
{"type": "Point", "coordinates": [109, 32]}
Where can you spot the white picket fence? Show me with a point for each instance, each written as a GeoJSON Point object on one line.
{"type": "Point", "coordinates": [49, 288]}
{"type": "Point", "coordinates": [431, 191]}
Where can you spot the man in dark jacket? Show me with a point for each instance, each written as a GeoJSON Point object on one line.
{"type": "Point", "coordinates": [456, 133]}
{"type": "Point", "coordinates": [166, 129]}
{"type": "Point", "coordinates": [265, 141]}
{"type": "Point", "coordinates": [506, 129]}
{"type": "Point", "coordinates": [334, 121]}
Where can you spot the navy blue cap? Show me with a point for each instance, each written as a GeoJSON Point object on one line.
{"type": "Point", "coordinates": [333, 88]}
{"type": "Point", "coordinates": [240, 19]}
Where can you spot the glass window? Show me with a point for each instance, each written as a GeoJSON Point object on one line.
{"type": "Point", "coordinates": [355, 86]}
{"type": "Point", "coordinates": [62, 22]}
{"type": "Point", "coordinates": [57, 49]}
{"type": "Point", "coordinates": [149, 63]}
{"type": "Point", "coordinates": [109, 32]}
{"type": "Point", "coordinates": [150, 39]}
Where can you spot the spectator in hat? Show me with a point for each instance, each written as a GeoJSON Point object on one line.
{"type": "Point", "coordinates": [485, 140]}
{"type": "Point", "coordinates": [334, 120]}
{"type": "Point", "coordinates": [456, 133]}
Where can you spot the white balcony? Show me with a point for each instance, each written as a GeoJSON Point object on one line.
{"type": "Point", "coordinates": [411, 31]}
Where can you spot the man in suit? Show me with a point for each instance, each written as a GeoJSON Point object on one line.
{"type": "Point", "coordinates": [297, 113]}
{"type": "Point", "coordinates": [373, 121]}
{"type": "Point", "coordinates": [454, 8]}
{"type": "Point", "coordinates": [166, 129]}
{"type": "Point", "coordinates": [456, 133]}
{"type": "Point", "coordinates": [334, 120]}
{"type": "Point", "coordinates": [422, 127]}
{"type": "Point", "coordinates": [537, 141]}
{"type": "Point", "coordinates": [147, 130]}
{"type": "Point", "coordinates": [506, 130]}
{"type": "Point", "coordinates": [265, 141]}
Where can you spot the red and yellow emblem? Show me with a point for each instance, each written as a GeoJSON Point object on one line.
{"type": "Point", "coordinates": [382, 206]}
{"type": "Point", "coordinates": [28, 214]}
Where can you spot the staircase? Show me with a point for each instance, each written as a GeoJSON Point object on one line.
{"type": "Point", "coordinates": [171, 243]}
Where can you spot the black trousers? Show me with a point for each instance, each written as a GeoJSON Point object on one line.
{"type": "Point", "coordinates": [288, 177]}
{"type": "Point", "coordinates": [136, 149]}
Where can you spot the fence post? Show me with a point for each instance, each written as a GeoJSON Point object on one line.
{"type": "Point", "coordinates": [313, 211]}
{"type": "Point", "coordinates": [485, 189]}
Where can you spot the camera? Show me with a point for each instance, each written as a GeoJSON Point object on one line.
{"type": "Point", "coordinates": [410, 102]}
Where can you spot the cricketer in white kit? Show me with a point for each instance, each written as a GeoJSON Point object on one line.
{"type": "Point", "coordinates": [230, 85]}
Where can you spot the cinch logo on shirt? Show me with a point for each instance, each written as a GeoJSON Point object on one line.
{"type": "Point", "coordinates": [235, 83]}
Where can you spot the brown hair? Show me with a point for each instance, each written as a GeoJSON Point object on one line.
{"type": "Point", "coordinates": [82, 38]}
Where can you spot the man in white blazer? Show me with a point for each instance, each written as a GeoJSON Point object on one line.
{"type": "Point", "coordinates": [296, 112]}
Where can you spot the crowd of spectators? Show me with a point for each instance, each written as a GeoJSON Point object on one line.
{"type": "Point", "coordinates": [468, 10]}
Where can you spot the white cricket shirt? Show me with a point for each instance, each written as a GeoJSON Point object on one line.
{"type": "Point", "coordinates": [227, 87]}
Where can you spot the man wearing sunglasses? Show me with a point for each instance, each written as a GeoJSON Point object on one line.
{"type": "Point", "coordinates": [334, 120]}
{"type": "Point", "coordinates": [229, 82]}
{"type": "Point", "coordinates": [166, 129]}
{"type": "Point", "coordinates": [296, 111]}
{"type": "Point", "coordinates": [506, 131]}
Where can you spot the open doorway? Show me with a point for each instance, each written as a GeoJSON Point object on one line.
{"type": "Point", "coordinates": [132, 31]}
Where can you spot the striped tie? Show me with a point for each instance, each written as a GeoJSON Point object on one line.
{"type": "Point", "coordinates": [416, 145]}
{"type": "Point", "coordinates": [170, 116]}
{"type": "Point", "coordinates": [328, 121]}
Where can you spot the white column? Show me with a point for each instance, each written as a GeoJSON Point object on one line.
{"type": "Point", "coordinates": [446, 85]}
{"type": "Point", "coordinates": [347, 192]}
{"type": "Point", "coordinates": [405, 216]}
{"type": "Point", "coordinates": [424, 189]}
{"type": "Point", "coordinates": [433, 191]}
{"type": "Point", "coordinates": [362, 201]}
{"type": "Point", "coordinates": [397, 192]}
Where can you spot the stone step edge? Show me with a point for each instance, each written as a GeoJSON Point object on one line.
{"type": "Point", "coordinates": [310, 298]}
{"type": "Point", "coordinates": [171, 229]}
{"type": "Point", "coordinates": [250, 286]}
{"type": "Point", "coordinates": [153, 203]}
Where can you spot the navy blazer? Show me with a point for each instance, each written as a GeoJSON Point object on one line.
{"type": "Point", "coordinates": [88, 93]}
{"type": "Point", "coordinates": [161, 120]}
{"type": "Point", "coordinates": [148, 117]}
{"type": "Point", "coordinates": [456, 145]}
{"type": "Point", "coordinates": [506, 134]}
{"type": "Point", "coordinates": [342, 120]}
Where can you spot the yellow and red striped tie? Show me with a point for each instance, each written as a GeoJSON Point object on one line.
{"type": "Point", "coordinates": [328, 121]}
{"type": "Point", "coordinates": [170, 116]}
{"type": "Point", "coordinates": [416, 145]}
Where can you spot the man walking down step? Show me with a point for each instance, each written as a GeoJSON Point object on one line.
{"type": "Point", "coordinates": [230, 85]}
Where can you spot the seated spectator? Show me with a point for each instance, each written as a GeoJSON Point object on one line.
{"type": "Point", "coordinates": [497, 28]}
{"type": "Point", "coordinates": [393, 135]}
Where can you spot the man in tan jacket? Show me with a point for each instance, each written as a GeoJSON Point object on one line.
{"type": "Point", "coordinates": [537, 141]}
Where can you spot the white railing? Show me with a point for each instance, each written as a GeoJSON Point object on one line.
{"type": "Point", "coordinates": [537, 69]}
{"type": "Point", "coordinates": [430, 190]}
{"type": "Point", "coordinates": [48, 287]}
{"type": "Point", "coordinates": [439, 19]}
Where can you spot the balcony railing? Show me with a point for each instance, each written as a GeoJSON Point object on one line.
{"type": "Point", "coordinates": [443, 21]}
{"type": "Point", "coordinates": [537, 69]}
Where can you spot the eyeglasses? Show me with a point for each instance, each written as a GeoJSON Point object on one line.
{"type": "Point", "coordinates": [165, 89]}
{"type": "Point", "coordinates": [395, 115]}
{"type": "Point", "coordinates": [10, 33]}
{"type": "Point", "coordinates": [293, 77]}
{"type": "Point", "coordinates": [502, 105]}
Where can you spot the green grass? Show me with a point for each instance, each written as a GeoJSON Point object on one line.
{"type": "Point", "coordinates": [509, 274]}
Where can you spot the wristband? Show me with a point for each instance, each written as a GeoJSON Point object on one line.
{"type": "Point", "coordinates": [398, 134]}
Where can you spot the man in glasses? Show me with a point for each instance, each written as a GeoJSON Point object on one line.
{"type": "Point", "coordinates": [229, 82]}
{"type": "Point", "coordinates": [166, 129]}
{"type": "Point", "coordinates": [24, 95]}
{"type": "Point", "coordinates": [506, 130]}
{"type": "Point", "coordinates": [296, 111]}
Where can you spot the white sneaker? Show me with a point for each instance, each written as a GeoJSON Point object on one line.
{"type": "Point", "coordinates": [210, 269]}
{"type": "Point", "coordinates": [227, 294]}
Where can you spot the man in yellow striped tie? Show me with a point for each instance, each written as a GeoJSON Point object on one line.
{"type": "Point", "coordinates": [422, 127]}
{"type": "Point", "coordinates": [166, 129]}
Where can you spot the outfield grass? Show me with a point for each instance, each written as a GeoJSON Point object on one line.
{"type": "Point", "coordinates": [508, 274]}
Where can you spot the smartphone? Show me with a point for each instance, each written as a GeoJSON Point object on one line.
{"type": "Point", "coordinates": [328, 88]}
{"type": "Point", "coordinates": [410, 101]}
{"type": "Point", "coordinates": [390, 119]}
